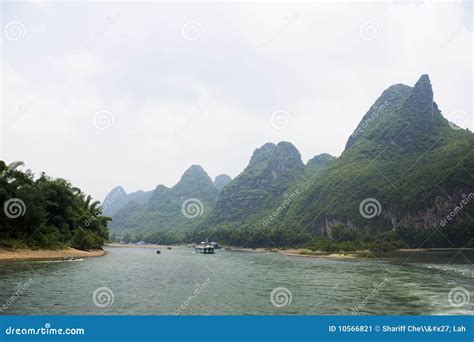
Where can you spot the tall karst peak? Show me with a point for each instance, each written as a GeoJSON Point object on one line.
{"type": "Point", "coordinates": [194, 170]}
{"type": "Point", "coordinates": [195, 174]}
{"type": "Point", "coordinates": [282, 151]}
{"type": "Point", "coordinates": [420, 102]}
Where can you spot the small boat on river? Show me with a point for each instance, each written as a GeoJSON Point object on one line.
{"type": "Point", "coordinates": [204, 248]}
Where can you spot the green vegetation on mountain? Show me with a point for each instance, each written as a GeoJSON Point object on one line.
{"type": "Point", "coordinates": [47, 212]}
{"type": "Point", "coordinates": [407, 156]}
{"type": "Point", "coordinates": [318, 163]}
{"type": "Point", "coordinates": [169, 212]}
{"type": "Point", "coordinates": [404, 170]}
{"type": "Point", "coordinates": [404, 154]}
{"type": "Point", "coordinates": [272, 171]}
{"type": "Point", "coordinates": [118, 198]}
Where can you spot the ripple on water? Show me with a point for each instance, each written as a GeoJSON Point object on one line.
{"type": "Point", "coordinates": [240, 283]}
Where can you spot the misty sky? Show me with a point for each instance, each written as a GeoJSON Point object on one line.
{"type": "Point", "coordinates": [132, 94]}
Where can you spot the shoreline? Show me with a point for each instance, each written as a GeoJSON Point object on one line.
{"type": "Point", "coordinates": [301, 252]}
{"type": "Point", "coordinates": [148, 245]}
{"type": "Point", "coordinates": [8, 254]}
{"type": "Point", "coordinates": [354, 255]}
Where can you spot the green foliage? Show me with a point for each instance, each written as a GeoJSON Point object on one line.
{"type": "Point", "coordinates": [51, 212]}
{"type": "Point", "coordinates": [272, 173]}
{"type": "Point", "coordinates": [404, 153]}
{"type": "Point", "coordinates": [163, 210]}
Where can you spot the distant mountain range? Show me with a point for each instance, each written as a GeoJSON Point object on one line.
{"type": "Point", "coordinates": [404, 167]}
{"type": "Point", "coordinates": [163, 209]}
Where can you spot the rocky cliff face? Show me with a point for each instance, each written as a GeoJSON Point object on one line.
{"type": "Point", "coordinates": [406, 156]}
{"type": "Point", "coordinates": [272, 171]}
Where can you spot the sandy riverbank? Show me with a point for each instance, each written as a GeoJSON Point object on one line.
{"type": "Point", "coordinates": [309, 254]}
{"type": "Point", "coordinates": [301, 252]}
{"type": "Point", "coordinates": [7, 254]}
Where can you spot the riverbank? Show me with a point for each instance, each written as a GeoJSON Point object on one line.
{"type": "Point", "coordinates": [151, 245]}
{"type": "Point", "coordinates": [310, 254]}
{"type": "Point", "coordinates": [7, 254]}
{"type": "Point", "coordinates": [301, 252]}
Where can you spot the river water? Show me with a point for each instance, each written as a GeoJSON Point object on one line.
{"type": "Point", "coordinates": [137, 281]}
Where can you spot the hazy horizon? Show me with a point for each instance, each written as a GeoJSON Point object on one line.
{"type": "Point", "coordinates": [132, 94]}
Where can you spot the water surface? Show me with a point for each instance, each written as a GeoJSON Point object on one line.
{"type": "Point", "coordinates": [180, 281]}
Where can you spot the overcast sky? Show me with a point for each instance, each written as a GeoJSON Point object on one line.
{"type": "Point", "coordinates": [132, 94]}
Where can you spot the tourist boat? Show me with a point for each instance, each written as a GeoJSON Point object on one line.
{"type": "Point", "coordinates": [204, 248]}
{"type": "Point", "coordinates": [215, 245]}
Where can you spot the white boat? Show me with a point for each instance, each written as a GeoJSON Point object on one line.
{"type": "Point", "coordinates": [204, 248]}
{"type": "Point", "coordinates": [215, 245]}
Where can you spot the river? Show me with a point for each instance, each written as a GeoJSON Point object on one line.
{"type": "Point", "coordinates": [138, 281]}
